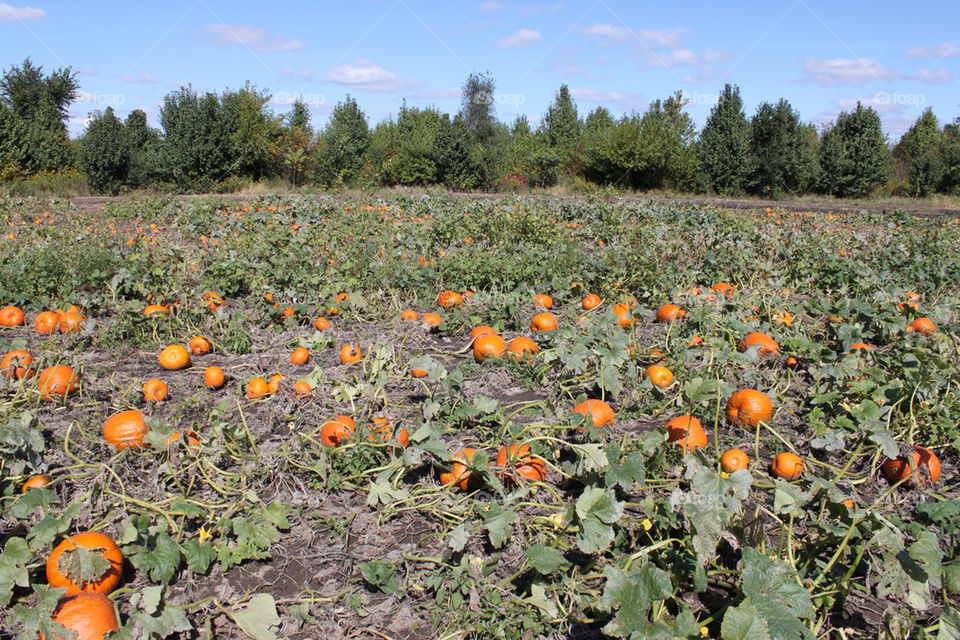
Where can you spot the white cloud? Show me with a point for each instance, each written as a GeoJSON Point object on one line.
{"type": "Point", "coordinates": [661, 38]}
{"type": "Point", "coordinates": [85, 71]}
{"type": "Point", "coordinates": [606, 35]}
{"type": "Point", "coordinates": [893, 108]}
{"type": "Point", "coordinates": [940, 76]}
{"type": "Point", "coordinates": [675, 58]}
{"type": "Point", "coordinates": [491, 6]}
{"type": "Point", "coordinates": [712, 55]}
{"type": "Point", "coordinates": [9, 13]}
{"type": "Point", "coordinates": [296, 74]}
{"type": "Point", "coordinates": [569, 69]}
{"type": "Point", "coordinates": [251, 37]}
{"type": "Point", "coordinates": [367, 76]}
{"type": "Point", "coordinates": [945, 50]}
{"type": "Point", "coordinates": [520, 38]}
{"type": "Point", "coordinates": [142, 78]}
{"type": "Point", "coordinates": [621, 100]}
{"type": "Point", "coordinates": [846, 71]}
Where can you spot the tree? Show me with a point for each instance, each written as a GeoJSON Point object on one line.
{"type": "Point", "coordinates": [252, 130]}
{"type": "Point", "coordinates": [562, 126]}
{"type": "Point", "coordinates": [667, 157]}
{"type": "Point", "coordinates": [920, 154]}
{"type": "Point", "coordinates": [299, 117]}
{"type": "Point", "coordinates": [414, 159]}
{"type": "Point", "coordinates": [143, 143]}
{"type": "Point", "coordinates": [343, 143]}
{"type": "Point", "coordinates": [196, 150]}
{"type": "Point", "coordinates": [853, 154]}
{"type": "Point", "coordinates": [27, 91]}
{"type": "Point", "coordinates": [598, 131]}
{"type": "Point", "coordinates": [783, 151]}
{"type": "Point", "coordinates": [725, 159]}
{"type": "Point", "coordinates": [950, 183]}
{"type": "Point", "coordinates": [478, 97]}
{"type": "Point", "coordinates": [105, 153]}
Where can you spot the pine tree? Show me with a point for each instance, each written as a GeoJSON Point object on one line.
{"type": "Point", "coordinates": [725, 159]}
{"type": "Point", "coordinates": [853, 158]}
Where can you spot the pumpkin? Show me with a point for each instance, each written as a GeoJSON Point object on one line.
{"type": "Point", "coordinates": [591, 301]}
{"type": "Point", "coordinates": [381, 430]}
{"type": "Point", "coordinates": [38, 481]}
{"type": "Point", "coordinates": [300, 355]}
{"type": "Point", "coordinates": [214, 300]}
{"type": "Point", "coordinates": [926, 467]}
{"type": "Point", "coordinates": [624, 317]}
{"type": "Point", "coordinates": [200, 345]}
{"type": "Point", "coordinates": [792, 363]}
{"type": "Point", "coordinates": [11, 317]}
{"type": "Point", "coordinates": [92, 541]}
{"type": "Point", "coordinates": [787, 465]}
{"type": "Point", "coordinates": [192, 439]}
{"type": "Point", "coordinates": [659, 375]}
{"type": "Point", "coordinates": [686, 432]}
{"type": "Point", "coordinates": [481, 330]}
{"type": "Point", "coordinates": [213, 377]}
{"type": "Point", "coordinates": [350, 353]}
{"type": "Point", "coordinates": [174, 357]}
{"type": "Point", "coordinates": [544, 322]}
{"type": "Point", "coordinates": [90, 615]}
{"type": "Point", "coordinates": [419, 373]}
{"type": "Point", "coordinates": [542, 300]}
{"type": "Point", "coordinates": [46, 322]}
{"type": "Point", "coordinates": [599, 411]}
{"type": "Point", "coordinates": [274, 383]}
{"type": "Point", "coordinates": [449, 299]}
{"type": "Point", "coordinates": [724, 288]}
{"type": "Point", "coordinates": [70, 322]}
{"type": "Point", "coordinates": [748, 408]}
{"type": "Point", "coordinates": [301, 389]}
{"type": "Point", "coordinates": [321, 323]}
{"type": "Point", "coordinates": [923, 325]}
{"type": "Point", "coordinates": [488, 346]}
{"type": "Point", "coordinates": [522, 347]}
{"type": "Point", "coordinates": [734, 459]}
{"type": "Point", "coordinates": [522, 462]}
{"type": "Point", "coordinates": [459, 475]}
{"type": "Point", "coordinates": [125, 429]}
{"type": "Point", "coordinates": [334, 432]}
{"type": "Point", "coordinates": [155, 390]}
{"type": "Point", "coordinates": [16, 365]}
{"type": "Point", "coordinates": [670, 313]}
{"type": "Point", "coordinates": [768, 346]}
{"type": "Point", "coordinates": [431, 321]}
{"type": "Point", "coordinates": [58, 380]}
{"type": "Point", "coordinates": [155, 310]}
{"type": "Point", "coordinates": [409, 315]}
{"type": "Point", "coordinates": [257, 388]}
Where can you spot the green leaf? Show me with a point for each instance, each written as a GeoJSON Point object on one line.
{"type": "Point", "coordinates": [199, 555]}
{"type": "Point", "coordinates": [949, 624]}
{"type": "Point", "coordinates": [788, 498]}
{"type": "Point", "coordinates": [384, 493]}
{"type": "Point", "coordinates": [257, 618]}
{"type": "Point", "coordinates": [159, 560]}
{"type": "Point", "coordinates": [630, 594]}
{"type": "Point", "coordinates": [625, 475]}
{"type": "Point", "coordinates": [35, 618]}
{"type": "Point", "coordinates": [30, 501]}
{"type": "Point", "coordinates": [458, 537]}
{"type": "Point", "coordinates": [381, 574]}
{"type": "Point", "coordinates": [151, 617]}
{"type": "Point", "coordinates": [596, 510]}
{"type": "Point", "coordinates": [545, 560]}
{"type": "Point", "coordinates": [591, 457]}
{"type": "Point", "coordinates": [13, 568]}
{"type": "Point", "coordinates": [773, 589]}
{"type": "Point", "coordinates": [44, 532]}
{"type": "Point", "coordinates": [743, 623]}
{"type": "Point", "coordinates": [500, 526]}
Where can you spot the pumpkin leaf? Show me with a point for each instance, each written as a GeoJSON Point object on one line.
{"type": "Point", "coordinates": [258, 617]}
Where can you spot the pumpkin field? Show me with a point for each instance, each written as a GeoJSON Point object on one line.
{"type": "Point", "coordinates": [427, 416]}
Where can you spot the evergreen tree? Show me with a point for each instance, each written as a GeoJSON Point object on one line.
{"type": "Point", "coordinates": [853, 156]}
{"type": "Point", "coordinates": [784, 161]}
{"type": "Point", "coordinates": [342, 144]}
{"type": "Point", "coordinates": [725, 145]}
{"type": "Point", "coordinates": [920, 153]}
{"type": "Point", "coordinates": [105, 153]}
{"type": "Point", "coordinates": [299, 117]}
{"type": "Point", "coordinates": [562, 125]}
{"type": "Point", "coordinates": [667, 156]}
{"type": "Point", "coordinates": [598, 131]}
{"type": "Point", "coordinates": [950, 183]}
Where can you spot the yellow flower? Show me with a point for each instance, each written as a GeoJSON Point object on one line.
{"type": "Point", "coordinates": [724, 474]}
{"type": "Point", "coordinates": [704, 632]}
{"type": "Point", "coordinates": [557, 519]}
{"type": "Point", "coordinates": [647, 525]}
{"type": "Point", "coordinates": [204, 534]}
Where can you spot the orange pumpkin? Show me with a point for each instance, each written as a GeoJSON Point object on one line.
{"type": "Point", "coordinates": [459, 475]}
{"type": "Point", "coordinates": [213, 377]}
{"type": "Point", "coordinates": [748, 408]}
{"type": "Point", "coordinates": [336, 431]}
{"type": "Point", "coordinates": [687, 432]}
{"type": "Point", "coordinates": [156, 310]}
{"type": "Point", "coordinates": [11, 317]}
{"type": "Point", "coordinates": [733, 459]}
{"type": "Point", "coordinates": [624, 317]}
{"type": "Point", "coordinates": [321, 323]}
{"type": "Point", "coordinates": [926, 467]}
{"type": "Point", "coordinates": [70, 322]}
{"type": "Point", "coordinates": [787, 465]}
{"type": "Point", "coordinates": [125, 429]}
{"type": "Point", "coordinates": [300, 355]}
{"type": "Point", "coordinates": [544, 322]}
{"type": "Point", "coordinates": [601, 414]}
{"type": "Point", "coordinates": [481, 330]}
{"type": "Point", "coordinates": [16, 365]}
{"type": "Point", "coordinates": [302, 389]}
{"type": "Point", "coordinates": [768, 346]}
{"type": "Point", "coordinates": [431, 321]}
{"type": "Point", "coordinates": [58, 380]}
{"type": "Point", "coordinates": [923, 325]}
{"type": "Point", "coordinates": [724, 288]}
{"type": "Point", "coordinates": [591, 301]}
{"type": "Point", "coordinates": [449, 299]}
{"type": "Point", "coordinates": [46, 322]}
{"type": "Point", "coordinates": [659, 375]}
{"type": "Point", "coordinates": [92, 541]}
{"type": "Point", "coordinates": [542, 300]}
{"type": "Point", "coordinates": [38, 481]}
{"type": "Point", "coordinates": [409, 315]}
{"type": "Point", "coordinates": [174, 357]}
{"type": "Point", "coordinates": [670, 313]}
{"type": "Point", "coordinates": [200, 345]}
{"type": "Point", "coordinates": [522, 462]}
{"type": "Point", "coordinates": [350, 353]}
{"type": "Point", "coordinates": [257, 388]}
{"type": "Point", "coordinates": [488, 346]}
{"type": "Point", "coordinates": [155, 390]}
{"type": "Point", "coordinates": [522, 347]}
{"type": "Point", "coordinates": [214, 300]}
{"type": "Point", "coordinates": [91, 615]}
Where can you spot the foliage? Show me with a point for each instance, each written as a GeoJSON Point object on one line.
{"type": "Point", "coordinates": [724, 145]}
{"type": "Point", "coordinates": [853, 154]}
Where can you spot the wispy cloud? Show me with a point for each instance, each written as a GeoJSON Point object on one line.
{"type": "Point", "coordinates": [85, 71]}
{"type": "Point", "coordinates": [367, 76]}
{"type": "Point", "coordinates": [288, 73]}
{"type": "Point", "coordinates": [10, 13]}
{"type": "Point", "coordinates": [846, 71]}
{"type": "Point", "coordinates": [142, 78]}
{"type": "Point", "coordinates": [487, 7]}
{"type": "Point", "coordinates": [940, 76]}
{"type": "Point", "coordinates": [569, 69]}
{"type": "Point", "coordinates": [520, 38]}
{"type": "Point", "coordinates": [608, 35]}
{"type": "Point", "coordinates": [674, 58]}
{"type": "Point", "coordinates": [945, 50]}
{"type": "Point", "coordinates": [252, 37]}
{"type": "Point", "coordinates": [621, 100]}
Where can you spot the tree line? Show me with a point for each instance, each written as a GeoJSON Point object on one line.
{"type": "Point", "coordinates": [210, 142]}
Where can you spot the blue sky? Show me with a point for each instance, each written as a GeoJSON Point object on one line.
{"type": "Point", "coordinates": [822, 56]}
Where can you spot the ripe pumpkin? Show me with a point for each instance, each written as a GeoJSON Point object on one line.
{"type": "Point", "coordinates": [38, 481]}
{"type": "Point", "coordinates": [787, 465]}
{"type": "Point", "coordinates": [200, 345]}
{"type": "Point", "coordinates": [46, 322]}
{"type": "Point", "coordinates": [481, 330]}
{"type": "Point", "coordinates": [125, 429]}
{"type": "Point", "coordinates": [214, 300]}
{"type": "Point", "coordinates": [431, 321]}
{"type": "Point", "coordinates": [599, 411]}
{"type": "Point", "coordinates": [624, 317]}
{"type": "Point", "coordinates": [687, 432]}
{"type": "Point", "coordinates": [155, 390]}
{"type": "Point", "coordinates": [659, 375]}
{"type": "Point", "coordinates": [792, 363]}
{"type": "Point", "coordinates": [926, 467]}
{"type": "Point", "coordinates": [93, 541]}
{"type": "Point", "coordinates": [733, 459]}
{"type": "Point", "coordinates": [257, 388]}
{"type": "Point", "coordinates": [544, 322]}
{"type": "Point", "coordinates": [334, 432]}
{"type": "Point", "coordinates": [724, 288]}
{"type": "Point", "coordinates": [213, 377]}
{"type": "Point", "coordinates": [409, 315]}
{"type": "Point", "coordinates": [174, 357]}
{"type": "Point", "coordinates": [70, 322]}
{"type": "Point", "coordinates": [749, 407]}
{"type": "Point", "coordinates": [350, 353]}
{"type": "Point", "coordinates": [321, 323]}
{"type": "Point", "coordinates": [522, 462]}
{"type": "Point", "coordinates": [923, 325]}
{"type": "Point", "coordinates": [768, 346]}
{"type": "Point", "coordinates": [16, 365]}
{"type": "Point", "coordinates": [459, 475]}
{"type": "Point", "coordinates": [274, 383]}
{"type": "Point", "coordinates": [58, 380]}
{"type": "Point", "coordinates": [591, 301]}
{"type": "Point", "coordinates": [156, 310]}
{"type": "Point", "coordinates": [419, 373]}
{"type": "Point", "coordinates": [449, 299]}
{"type": "Point", "coordinates": [11, 317]}
{"type": "Point", "coordinates": [522, 347]}
{"type": "Point", "coordinates": [301, 389]}
{"type": "Point", "coordinates": [488, 346]}
{"type": "Point", "coordinates": [543, 300]}
{"type": "Point", "coordinates": [859, 346]}
{"type": "Point", "coordinates": [300, 355]}
{"type": "Point", "coordinates": [90, 615]}
{"type": "Point", "coordinates": [670, 313]}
